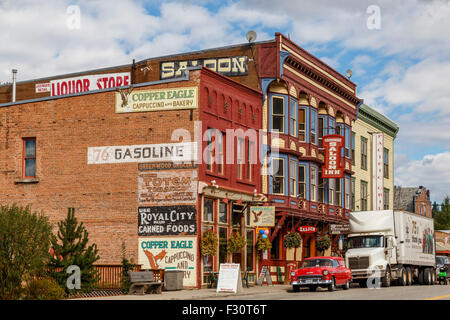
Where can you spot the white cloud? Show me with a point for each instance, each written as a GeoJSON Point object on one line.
{"type": "Point", "coordinates": [432, 172]}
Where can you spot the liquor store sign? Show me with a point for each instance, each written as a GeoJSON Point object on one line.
{"type": "Point", "coordinates": [157, 100]}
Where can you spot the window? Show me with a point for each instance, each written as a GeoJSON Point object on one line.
{"type": "Point", "coordinates": [292, 178]}
{"type": "Point", "coordinates": [250, 159]}
{"type": "Point", "coordinates": [386, 199]}
{"type": "Point", "coordinates": [278, 175]}
{"type": "Point", "coordinates": [347, 141]}
{"type": "Point", "coordinates": [364, 196]}
{"type": "Point", "coordinates": [208, 210]}
{"type": "Point", "coordinates": [313, 126]}
{"type": "Point", "coordinates": [331, 191]}
{"type": "Point", "coordinates": [223, 212]}
{"type": "Point", "coordinates": [293, 118]}
{"type": "Point", "coordinates": [223, 235]}
{"type": "Point", "coordinates": [353, 193]}
{"type": "Point", "coordinates": [301, 182]}
{"type": "Point", "coordinates": [353, 148]}
{"type": "Point", "coordinates": [321, 187]}
{"type": "Point", "coordinates": [29, 157]}
{"type": "Point", "coordinates": [250, 246]}
{"type": "Point", "coordinates": [321, 130]}
{"type": "Point", "coordinates": [313, 183]}
{"type": "Point", "coordinates": [214, 150]}
{"type": "Point", "coordinates": [363, 153]}
{"type": "Point", "coordinates": [347, 192]}
{"type": "Point", "coordinates": [240, 157]}
{"type": "Point", "coordinates": [385, 163]}
{"type": "Point", "coordinates": [301, 124]}
{"type": "Point", "coordinates": [338, 192]}
{"type": "Point", "coordinates": [278, 114]}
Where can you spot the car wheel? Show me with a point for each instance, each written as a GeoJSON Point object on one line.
{"type": "Point", "coordinates": [403, 277]}
{"type": "Point", "coordinates": [312, 288]}
{"type": "Point", "coordinates": [408, 276]}
{"type": "Point", "coordinates": [346, 285]}
{"type": "Point", "coordinates": [332, 286]}
{"type": "Point", "coordinates": [296, 288]}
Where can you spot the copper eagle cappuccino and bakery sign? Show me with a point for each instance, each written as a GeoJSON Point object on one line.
{"type": "Point", "coordinates": [156, 100]}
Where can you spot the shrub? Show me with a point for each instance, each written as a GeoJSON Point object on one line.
{"type": "Point", "coordinates": [292, 240]}
{"type": "Point", "coordinates": [208, 243]}
{"type": "Point", "coordinates": [323, 243]}
{"type": "Point", "coordinates": [126, 266]}
{"type": "Point", "coordinates": [263, 243]}
{"type": "Point", "coordinates": [236, 243]}
{"type": "Point", "coordinates": [24, 246]}
{"type": "Point", "coordinates": [44, 289]}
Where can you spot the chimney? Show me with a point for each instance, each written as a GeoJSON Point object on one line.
{"type": "Point", "coordinates": [14, 73]}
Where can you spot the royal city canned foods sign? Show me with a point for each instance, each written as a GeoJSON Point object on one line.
{"type": "Point", "coordinates": [167, 220]}
{"type": "Point", "coordinates": [156, 100]}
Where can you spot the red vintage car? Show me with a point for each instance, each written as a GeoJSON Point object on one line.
{"type": "Point", "coordinates": [326, 272]}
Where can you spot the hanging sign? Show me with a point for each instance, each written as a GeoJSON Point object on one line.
{"type": "Point", "coordinates": [307, 229]}
{"type": "Point", "coordinates": [339, 228]}
{"type": "Point", "coordinates": [262, 216]}
{"type": "Point", "coordinates": [377, 171]}
{"type": "Point", "coordinates": [333, 168]}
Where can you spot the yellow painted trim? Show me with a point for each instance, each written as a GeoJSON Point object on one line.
{"type": "Point", "coordinates": [319, 86]}
{"type": "Point", "coordinates": [316, 67]}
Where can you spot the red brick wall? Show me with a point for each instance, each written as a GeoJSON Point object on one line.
{"type": "Point", "coordinates": [104, 196]}
{"type": "Point", "coordinates": [422, 200]}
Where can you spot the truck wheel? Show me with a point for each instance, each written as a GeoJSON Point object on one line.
{"type": "Point", "coordinates": [403, 277]}
{"type": "Point", "coordinates": [421, 276]}
{"type": "Point", "coordinates": [296, 288]}
{"type": "Point", "coordinates": [427, 276]}
{"type": "Point", "coordinates": [433, 276]}
{"type": "Point", "coordinates": [386, 280]}
{"type": "Point", "coordinates": [332, 286]}
{"type": "Point", "coordinates": [408, 276]}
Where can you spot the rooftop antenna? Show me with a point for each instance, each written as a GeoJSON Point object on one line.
{"type": "Point", "coordinates": [251, 36]}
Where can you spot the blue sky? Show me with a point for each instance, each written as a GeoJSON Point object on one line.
{"type": "Point", "coordinates": [399, 53]}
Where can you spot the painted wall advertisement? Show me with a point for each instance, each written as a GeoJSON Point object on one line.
{"type": "Point", "coordinates": [170, 253]}
{"type": "Point", "coordinates": [262, 216]}
{"type": "Point", "coordinates": [167, 187]}
{"type": "Point", "coordinates": [155, 100]}
{"type": "Point", "coordinates": [333, 168]}
{"type": "Point", "coordinates": [177, 152]}
{"type": "Point", "coordinates": [84, 83]}
{"type": "Point", "coordinates": [228, 66]}
{"type": "Point", "coordinates": [167, 220]}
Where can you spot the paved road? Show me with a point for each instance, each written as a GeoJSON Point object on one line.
{"type": "Point", "coordinates": [416, 292]}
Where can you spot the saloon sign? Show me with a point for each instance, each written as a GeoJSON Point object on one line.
{"type": "Point", "coordinates": [168, 220]}
{"type": "Point", "coordinates": [332, 168]}
{"type": "Point", "coordinates": [307, 229]}
{"type": "Point", "coordinates": [228, 66]}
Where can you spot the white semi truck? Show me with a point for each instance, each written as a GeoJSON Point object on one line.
{"type": "Point", "coordinates": [391, 246]}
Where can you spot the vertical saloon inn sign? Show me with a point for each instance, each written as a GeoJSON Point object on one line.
{"type": "Point", "coordinates": [332, 168]}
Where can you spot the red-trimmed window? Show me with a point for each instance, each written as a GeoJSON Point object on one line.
{"type": "Point", "coordinates": [29, 158]}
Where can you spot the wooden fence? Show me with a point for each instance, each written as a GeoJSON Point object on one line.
{"type": "Point", "coordinates": [111, 276]}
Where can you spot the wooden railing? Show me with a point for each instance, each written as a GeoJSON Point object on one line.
{"type": "Point", "coordinates": [111, 276]}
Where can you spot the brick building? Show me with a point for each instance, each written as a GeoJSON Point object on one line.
{"type": "Point", "coordinates": [413, 199]}
{"type": "Point", "coordinates": [300, 100]}
{"type": "Point", "coordinates": [117, 162]}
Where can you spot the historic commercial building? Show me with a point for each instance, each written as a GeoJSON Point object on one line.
{"type": "Point", "coordinates": [413, 199]}
{"type": "Point", "coordinates": [372, 151]}
{"type": "Point", "coordinates": [276, 86]}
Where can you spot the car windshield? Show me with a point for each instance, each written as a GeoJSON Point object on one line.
{"type": "Point", "coordinates": [317, 263]}
{"type": "Point", "coordinates": [366, 242]}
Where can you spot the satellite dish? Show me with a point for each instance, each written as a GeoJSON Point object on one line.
{"type": "Point", "coordinates": [348, 73]}
{"type": "Point", "coordinates": [251, 36]}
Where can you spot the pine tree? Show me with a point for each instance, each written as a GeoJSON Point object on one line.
{"type": "Point", "coordinates": [442, 216]}
{"type": "Point", "coordinates": [70, 248]}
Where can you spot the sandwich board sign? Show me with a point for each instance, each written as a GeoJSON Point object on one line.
{"type": "Point", "coordinates": [229, 278]}
{"type": "Point", "coordinates": [265, 273]}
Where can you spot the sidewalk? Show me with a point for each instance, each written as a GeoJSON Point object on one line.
{"type": "Point", "coordinates": [196, 294]}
